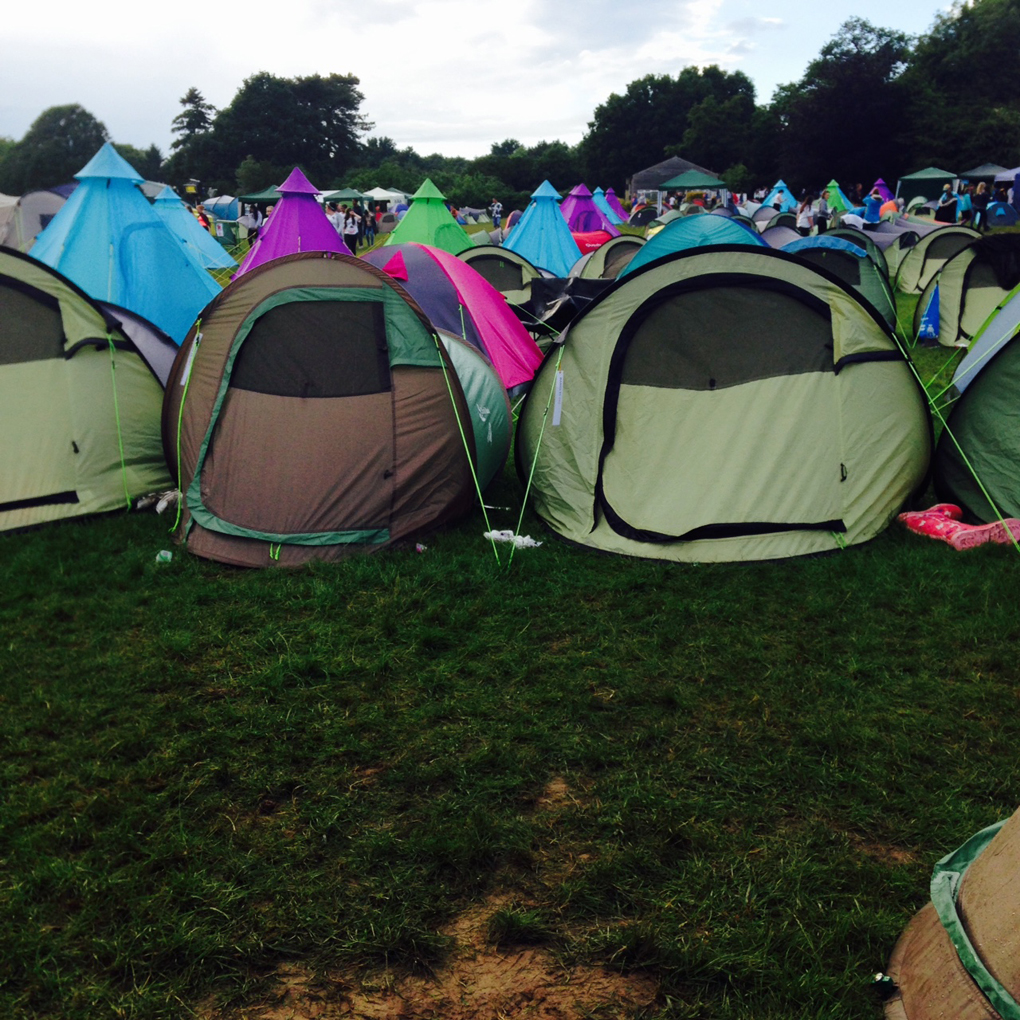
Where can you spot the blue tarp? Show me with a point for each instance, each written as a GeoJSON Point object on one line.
{"type": "Point", "coordinates": [109, 240]}
{"type": "Point", "coordinates": [929, 329]}
{"type": "Point", "coordinates": [692, 232]}
{"type": "Point", "coordinates": [542, 235]}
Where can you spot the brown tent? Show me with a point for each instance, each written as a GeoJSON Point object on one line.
{"type": "Point", "coordinates": [309, 416]}
{"type": "Point", "coordinates": [960, 956]}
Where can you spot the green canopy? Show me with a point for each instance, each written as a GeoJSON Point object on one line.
{"type": "Point", "coordinates": [691, 179]}
{"type": "Point", "coordinates": [270, 194]}
{"type": "Point", "coordinates": [343, 195]}
{"type": "Point", "coordinates": [927, 182]}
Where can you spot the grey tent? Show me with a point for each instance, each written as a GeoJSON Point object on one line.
{"type": "Point", "coordinates": [728, 403]}
{"type": "Point", "coordinates": [608, 260]}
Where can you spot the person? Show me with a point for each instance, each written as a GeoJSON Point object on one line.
{"type": "Point", "coordinates": [805, 217]}
{"type": "Point", "coordinates": [980, 203]}
{"type": "Point", "coordinates": [203, 220]}
{"type": "Point", "coordinates": [359, 211]}
{"type": "Point", "coordinates": [945, 209]}
{"type": "Point", "coordinates": [336, 217]}
{"type": "Point", "coordinates": [351, 223]}
{"type": "Point", "coordinates": [965, 203]}
{"type": "Point", "coordinates": [873, 210]}
{"type": "Point", "coordinates": [822, 212]}
{"type": "Point", "coordinates": [496, 211]}
{"type": "Point", "coordinates": [369, 222]}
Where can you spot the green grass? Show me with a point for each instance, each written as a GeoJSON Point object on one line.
{"type": "Point", "coordinates": [208, 772]}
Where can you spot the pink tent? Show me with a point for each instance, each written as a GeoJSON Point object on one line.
{"type": "Point", "coordinates": [297, 223]}
{"type": "Point", "coordinates": [458, 299]}
{"type": "Point", "coordinates": [583, 215]}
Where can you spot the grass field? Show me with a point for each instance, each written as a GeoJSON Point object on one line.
{"type": "Point", "coordinates": [731, 781]}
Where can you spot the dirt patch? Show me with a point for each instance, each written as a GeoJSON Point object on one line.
{"type": "Point", "coordinates": [880, 851]}
{"type": "Point", "coordinates": [478, 982]}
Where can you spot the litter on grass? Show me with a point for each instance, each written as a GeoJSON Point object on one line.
{"type": "Point", "coordinates": [521, 541]}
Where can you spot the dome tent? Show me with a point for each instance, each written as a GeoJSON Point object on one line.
{"type": "Point", "coordinates": [730, 403]}
{"type": "Point", "coordinates": [108, 240]}
{"type": "Point", "coordinates": [924, 260]}
{"type": "Point", "coordinates": [319, 417]}
{"type": "Point", "coordinates": [607, 262]}
{"type": "Point", "coordinates": [691, 232]}
{"type": "Point", "coordinates": [79, 432]}
{"type": "Point", "coordinates": [510, 273]}
{"type": "Point", "coordinates": [458, 299]}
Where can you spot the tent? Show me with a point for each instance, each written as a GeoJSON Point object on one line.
{"type": "Point", "coordinates": [81, 403]}
{"type": "Point", "coordinates": [204, 249]}
{"type": "Point", "coordinates": [883, 190]}
{"type": "Point", "coordinates": [31, 215]}
{"type": "Point", "coordinates": [922, 263]}
{"type": "Point", "coordinates": [428, 221]}
{"type": "Point", "coordinates": [298, 223]}
{"type": "Point", "coordinates": [780, 234]}
{"type": "Point", "coordinates": [927, 182]}
{"type": "Point", "coordinates": [970, 286]}
{"type": "Point", "coordinates": [542, 235]}
{"type": "Point", "coordinates": [850, 264]}
{"type": "Point", "coordinates": [583, 215]}
{"type": "Point", "coordinates": [608, 261]}
{"type": "Point", "coordinates": [731, 403]}
{"type": "Point", "coordinates": [692, 180]}
{"type": "Point", "coordinates": [389, 195]}
{"type": "Point", "coordinates": [511, 274]}
{"type": "Point", "coordinates": [1001, 214]}
{"type": "Point", "coordinates": [458, 299]}
{"type": "Point", "coordinates": [691, 232]}
{"type": "Point", "coordinates": [108, 239]}
{"type": "Point", "coordinates": [614, 204]}
{"type": "Point", "coordinates": [652, 178]}
{"type": "Point", "coordinates": [781, 193]}
{"type": "Point", "coordinates": [322, 417]}
{"type": "Point", "coordinates": [224, 207]}
{"type": "Point", "coordinates": [270, 195]}
{"type": "Point", "coordinates": [599, 198]}
{"type": "Point", "coordinates": [344, 195]}
{"type": "Point", "coordinates": [865, 241]}
{"type": "Point", "coordinates": [837, 199]}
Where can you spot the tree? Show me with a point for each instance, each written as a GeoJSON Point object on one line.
{"type": "Point", "coordinates": [148, 162]}
{"type": "Point", "coordinates": [196, 118]}
{"type": "Point", "coordinates": [846, 115]}
{"type": "Point", "coordinates": [59, 143]}
{"type": "Point", "coordinates": [632, 131]}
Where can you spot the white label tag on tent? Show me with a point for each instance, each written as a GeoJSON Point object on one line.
{"type": "Point", "coordinates": [186, 374]}
{"type": "Point", "coordinates": [558, 403]}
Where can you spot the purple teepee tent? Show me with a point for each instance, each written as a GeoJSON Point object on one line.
{"type": "Point", "coordinates": [583, 215]}
{"type": "Point", "coordinates": [297, 223]}
{"type": "Point", "coordinates": [883, 190]}
{"type": "Point", "coordinates": [614, 204]}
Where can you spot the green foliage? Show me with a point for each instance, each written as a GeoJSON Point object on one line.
{"type": "Point", "coordinates": [148, 162]}
{"type": "Point", "coordinates": [194, 119]}
{"type": "Point", "coordinates": [59, 143]}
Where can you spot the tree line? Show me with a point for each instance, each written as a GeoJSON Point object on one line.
{"type": "Point", "coordinates": [874, 102]}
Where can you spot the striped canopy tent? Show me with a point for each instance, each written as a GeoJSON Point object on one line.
{"type": "Point", "coordinates": [298, 223]}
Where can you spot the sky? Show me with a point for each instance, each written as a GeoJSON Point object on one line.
{"type": "Point", "coordinates": [441, 76]}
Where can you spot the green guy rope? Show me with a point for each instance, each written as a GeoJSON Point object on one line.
{"type": "Point", "coordinates": [116, 415]}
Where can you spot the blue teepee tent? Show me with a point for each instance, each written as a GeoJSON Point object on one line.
{"type": "Point", "coordinates": [542, 235]}
{"type": "Point", "coordinates": [599, 197]}
{"type": "Point", "coordinates": [781, 193]}
{"type": "Point", "coordinates": [107, 239]}
{"type": "Point", "coordinates": [197, 241]}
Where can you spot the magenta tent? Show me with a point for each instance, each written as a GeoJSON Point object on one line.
{"type": "Point", "coordinates": [583, 215]}
{"type": "Point", "coordinates": [459, 300]}
{"type": "Point", "coordinates": [297, 223]}
{"type": "Point", "coordinates": [614, 204]}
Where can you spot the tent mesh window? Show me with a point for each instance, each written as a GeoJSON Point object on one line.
{"type": "Point", "coordinates": [31, 328]}
{"type": "Point", "coordinates": [697, 340]}
{"type": "Point", "coordinates": [501, 273]}
{"type": "Point", "coordinates": [316, 349]}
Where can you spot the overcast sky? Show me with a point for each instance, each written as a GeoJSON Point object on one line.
{"type": "Point", "coordinates": [447, 76]}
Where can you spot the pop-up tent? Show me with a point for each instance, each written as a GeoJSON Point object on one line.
{"type": "Point", "coordinates": [925, 259]}
{"type": "Point", "coordinates": [511, 274]}
{"type": "Point", "coordinates": [730, 403]}
{"type": "Point", "coordinates": [320, 416]}
{"type": "Point", "coordinates": [108, 240]}
{"type": "Point", "coordinates": [608, 261]}
{"type": "Point", "coordinates": [298, 223]}
{"type": "Point", "coordinates": [428, 221]}
{"type": "Point", "coordinates": [542, 235]}
{"type": "Point", "coordinates": [459, 300]}
{"type": "Point", "coordinates": [691, 232]}
{"type": "Point", "coordinates": [79, 429]}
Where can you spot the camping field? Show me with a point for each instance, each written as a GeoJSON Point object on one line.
{"type": "Point", "coordinates": [612, 788]}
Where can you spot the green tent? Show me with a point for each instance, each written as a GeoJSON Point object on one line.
{"type": "Point", "coordinates": [81, 404]}
{"type": "Point", "coordinates": [270, 194]}
{"type": "Point", "coordinates": [728, 403]}
{"type": "Point", "coordinates": [927, 182]}
{"type": "Point", "coordinates": [922, 263]}
{"type": "Point", "coordinates": [344, 195]}
{"type": "Point", "coordinates": [838, 202]}
{"type": "Point", "coordinates": [428, 221]}
{"type": "Point", "coordinates": [691, 180]}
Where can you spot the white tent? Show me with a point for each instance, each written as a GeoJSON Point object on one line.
{"type": "Point", "coordinates": [388, 195]}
